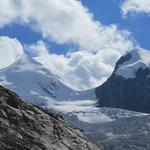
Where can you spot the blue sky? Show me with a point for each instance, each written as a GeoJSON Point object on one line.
{"type": "Point", "coordinates": [27, 36]}
{"type": "Point", "coordinates": [64, 37]}
{"type": "Point", "coordinates": [106, 11]}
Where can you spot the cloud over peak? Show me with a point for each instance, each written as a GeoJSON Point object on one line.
{"type": "Point", "coordinates": [10, 51]}
{"type": "Point", "coordinates": [79, 69]}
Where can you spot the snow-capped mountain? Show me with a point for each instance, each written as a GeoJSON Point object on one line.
{"type": "Point", "coordinates": [32, 80]}
{"type": "Point", "coordinates": [129, 85]}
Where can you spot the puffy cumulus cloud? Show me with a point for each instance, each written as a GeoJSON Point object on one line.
{"type": "Point", "coordinates": [36, 49]}
{"type": "Point", "coordinates": [10, 51]}
{"type": "Point", "coordinates": [79, 69]}
{"type": "Point", "coordinates": [66, 21]}
{"type": "Point", "coordinates": [139, 6]}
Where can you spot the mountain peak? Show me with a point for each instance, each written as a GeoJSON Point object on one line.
{"type": "Point", "coordinates": [129, 85]}
{"type": "Point", "coordinates": [32, 80]}
{"type": "Point", "coordinates": [130, 63]}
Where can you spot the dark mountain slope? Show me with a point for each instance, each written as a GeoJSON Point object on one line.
{"type": "Point", "coordinates": [26, 127]}
{"type": "Point", "coordinates": [129, 85]}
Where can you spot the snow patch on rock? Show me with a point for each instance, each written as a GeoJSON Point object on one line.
{"type": "Point", "coordinates": [140, 59]}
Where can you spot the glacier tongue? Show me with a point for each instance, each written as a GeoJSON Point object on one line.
{"type": "Point", "coordinates": [84, 111]}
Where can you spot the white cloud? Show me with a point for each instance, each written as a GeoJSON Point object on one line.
{"type": "Point", "coordinates": [10, 51]}
{"type": "Point", "coordinates": [65, 21]}
{"type": "Point", "coordinates": [138, 6]}
{"type": "Point", "coordinates": [79, 69]}
{"type": "Point", "coordinates": [68, 21]}
{"type": "Point", "coordinates": [37, 49]}
{"type": "Point", "coordinates": [8, 12]}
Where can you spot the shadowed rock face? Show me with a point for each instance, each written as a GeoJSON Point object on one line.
{"type": "Point", "coordinates": [131, 94]}
{"type": "Point", "coordinates": [26, 127]}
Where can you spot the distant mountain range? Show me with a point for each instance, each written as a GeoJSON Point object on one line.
{"type": "Point", "coordinates": [97, 111]}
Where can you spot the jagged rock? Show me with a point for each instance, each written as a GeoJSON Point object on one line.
{"type": "Point", "coordinates": [26, 127]}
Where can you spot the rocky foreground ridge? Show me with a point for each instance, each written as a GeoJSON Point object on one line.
{"type": "Point", "coordinates": [26, 127]}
